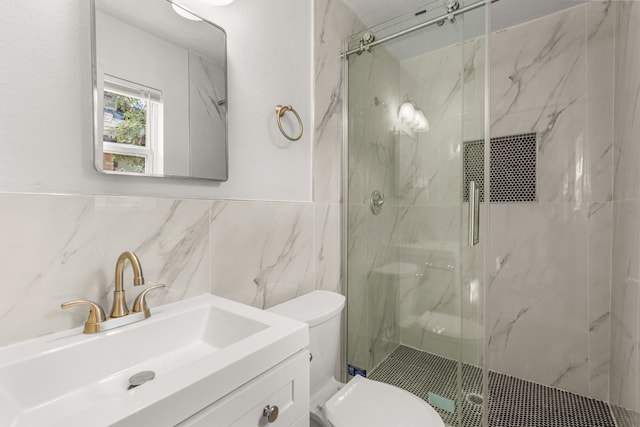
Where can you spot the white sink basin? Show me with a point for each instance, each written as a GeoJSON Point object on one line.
{"type": "Point", "coordinates": [200, 350]}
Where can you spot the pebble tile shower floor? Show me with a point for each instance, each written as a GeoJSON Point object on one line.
{"type": "Point", "coordinates": [512, 402]}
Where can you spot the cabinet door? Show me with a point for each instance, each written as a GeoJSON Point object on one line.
{"type": "Point", "coordinates": [303, 421]}
{"type": "Point", "coordinates": [285, 386]}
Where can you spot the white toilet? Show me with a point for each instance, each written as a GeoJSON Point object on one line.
{"type": "Point", "coordinates": [361, 402]}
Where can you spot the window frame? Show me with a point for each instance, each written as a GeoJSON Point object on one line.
{"type": "Point", "coordinates": [153, 150]}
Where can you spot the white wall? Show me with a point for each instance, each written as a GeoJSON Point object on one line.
{"type": "Point", "coordinates": [55, 248]}
{"type": "Point", "coordinates": [46, 128]}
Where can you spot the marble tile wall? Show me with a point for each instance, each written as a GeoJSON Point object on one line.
{"type": "Point", "coordinates": [420, 174]}
{"type": "Point", "coordinates": [625, 305]}
{"type": "Point", "coordinates": [55, 248]}
{"type": "Point", "coordinates": [553, 315]}
{"type": "Point", "coordinates": [563, 305]}
{"type": "Point", "coordinates": [334, 22]}
{"type": "Point", "coordinates": [60, 248]}
{"type": "Point", "coordinates": [449, 85]}
{"type": "Point", "coordinates": [373, 103]}
{"type": "Point", "coordinates": [263, 263]}
{"type": "Point", "coordinates": [549, 263]}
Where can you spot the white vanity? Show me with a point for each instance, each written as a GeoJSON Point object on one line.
{"type": "Point", "coordinates": [279, 393]}
{"type": "Point", "coordinates": [216, 363]}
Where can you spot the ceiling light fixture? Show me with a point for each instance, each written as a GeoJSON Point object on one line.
{"type": "Point", "coordinates": [407, 113]}
{"type": "Point", "coordinates": [412, 117]}
{"type": "Point", "coordinates": [421, 122]}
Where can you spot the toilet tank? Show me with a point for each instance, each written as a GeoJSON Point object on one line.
{"type": "Point", "coordinates": [321, 310]}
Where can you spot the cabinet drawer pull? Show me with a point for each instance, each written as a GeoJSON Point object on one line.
{"type": "Point", "coordinates": [270, 413]}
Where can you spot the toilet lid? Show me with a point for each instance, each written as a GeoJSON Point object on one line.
{"type": "Point", "coordinates": [368, 403]}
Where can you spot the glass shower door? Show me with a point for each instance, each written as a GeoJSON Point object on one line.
{"type": "Point", "coordinates": [415, 142]}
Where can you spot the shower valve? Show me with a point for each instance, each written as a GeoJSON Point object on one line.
{"type": "Point", "coordinates": [377, 200]}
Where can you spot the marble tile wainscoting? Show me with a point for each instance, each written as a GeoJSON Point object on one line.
{"type": "Point", "coordinates": [59, 248]}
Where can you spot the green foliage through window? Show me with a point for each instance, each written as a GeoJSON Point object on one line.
{"type": "Point", "coordinates": [124, 163]}
{"type": "Point", "coordinates": [132, 129]}
{"type": "Point", "coordinates": [125, 119]}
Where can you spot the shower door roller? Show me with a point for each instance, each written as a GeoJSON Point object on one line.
{"type": "Point", "coordinates": [376, 202]}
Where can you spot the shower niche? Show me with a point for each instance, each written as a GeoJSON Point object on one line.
{"type": "Point", "coordinates": [513, 166]}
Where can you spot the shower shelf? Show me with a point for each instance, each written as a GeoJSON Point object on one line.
{"type": "Point", "coordinates": [448, 267]}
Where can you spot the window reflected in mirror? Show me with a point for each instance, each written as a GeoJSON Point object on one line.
{"type": "Point", "coordinates": [160, 92]}
{"type": "Point", "coordinates": [132, 129]}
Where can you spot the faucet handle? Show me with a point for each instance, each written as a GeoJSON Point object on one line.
{"type": "Point", "coordinates": [140, 304]}
{"type": "Point", "coordinates": [96, 315]}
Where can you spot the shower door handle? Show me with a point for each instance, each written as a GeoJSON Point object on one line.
{"type": "Point", "coordinates": [474, 214]}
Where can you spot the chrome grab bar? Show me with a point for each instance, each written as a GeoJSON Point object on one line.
{"type": "Point", "coordinates": [474, 214]}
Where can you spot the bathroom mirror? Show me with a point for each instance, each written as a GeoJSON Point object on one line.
{"type": "Point", "coordinates": [160, 91]}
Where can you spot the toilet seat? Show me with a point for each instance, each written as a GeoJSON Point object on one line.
{"type": "Point", "coordinates": [367, 403]}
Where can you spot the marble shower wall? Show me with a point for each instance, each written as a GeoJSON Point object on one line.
{"type": "Point", "coordinates": [56, 248]}
{"type": "Point", "coordinates": [404, 263]}
{"type": "Point", "coordinates": [550, 302]}
{"type": "Point", "coordinates": [334, 22]}
{"type": "Point", "coordinates": [549, 262]}
{"type": "Point", "coordinates": [448, 84]}
{"type": "Point", "coordinates": [373, 104]}
{"type": "Point", "coordinates": [625, 304]}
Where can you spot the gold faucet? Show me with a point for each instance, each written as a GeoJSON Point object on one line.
{"type": "Point", "coordinates": [120, 314]}
{"type": "Point", "coordinates": [119, 307]}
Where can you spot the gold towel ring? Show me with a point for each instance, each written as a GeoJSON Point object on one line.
{"type": "Point", "coordinates": [280, 110]}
